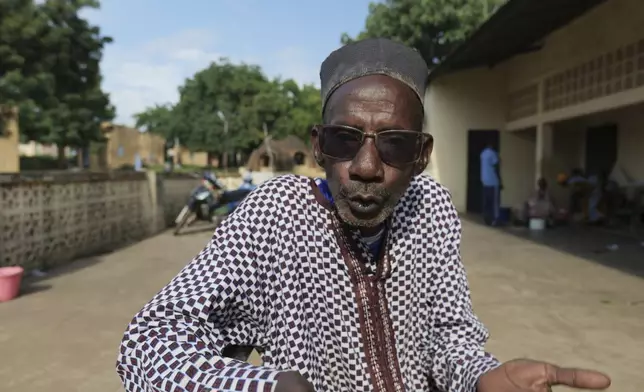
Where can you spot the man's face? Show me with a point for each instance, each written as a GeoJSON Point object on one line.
{"type": "Point", "coordinates": [365, 188]}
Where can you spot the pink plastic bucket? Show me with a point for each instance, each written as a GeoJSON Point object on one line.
{"type": "Point", "coordinates": [10, 278]}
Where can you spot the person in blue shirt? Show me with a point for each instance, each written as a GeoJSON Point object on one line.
{"type": "Point", "coordinates": [491, 182]}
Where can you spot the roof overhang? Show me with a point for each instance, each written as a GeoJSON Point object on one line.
{"type": "Point", "coordinates": [517, 27]}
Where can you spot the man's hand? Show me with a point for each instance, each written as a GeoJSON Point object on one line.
{"type": "Point", "coordinates": [524, 375]}
{"type": "Point", "coordinates": [293, 382]}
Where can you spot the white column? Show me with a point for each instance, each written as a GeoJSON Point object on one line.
{"type": "Point", "coordinates": [540, 97]}
{"type": "Point", "coordinates": [544, 147]}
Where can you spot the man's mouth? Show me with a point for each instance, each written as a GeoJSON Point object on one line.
{"type": "Point", "coordinates": [365, 205]}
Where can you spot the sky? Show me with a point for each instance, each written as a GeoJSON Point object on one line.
{"type": "Point", "coordinates": [158, 44]}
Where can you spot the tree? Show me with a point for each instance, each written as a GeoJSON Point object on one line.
{"type": "Point", "coordinates": [79, 105]}
{"type": "Point", "coordinates": [434, 27]}
{"type": "Point", "coordinates": [157, 119]}
{"type": "Point", "coordinates": [306, 111]}
{"type": "Point", "coordinates": [241, 97]}
{"type": "Point", "coordinates": [25, 77]}
{"type": "Point", "coordinates": [50, 68]}
{"type": "Point", "coordinates": [223, 88]}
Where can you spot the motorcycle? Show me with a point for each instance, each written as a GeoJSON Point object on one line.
{"type": "Point", "coordinates": [207, 198]}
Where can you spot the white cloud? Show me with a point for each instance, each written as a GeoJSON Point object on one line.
{"type": "Point", "coordinates": [139, 77]}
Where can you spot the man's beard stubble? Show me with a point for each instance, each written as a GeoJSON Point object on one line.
{"type": "Point", "coordinates": [341, 195]}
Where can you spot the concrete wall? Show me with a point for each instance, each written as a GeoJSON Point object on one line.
{"type": "Point", "coordinates": [455, 104]}
{"type": "Point", "coordinates": [49, 219]}
{"type": "Point", "coordinates": [604, 28]}
{"type": "Point", "coordinates": [518, 166]}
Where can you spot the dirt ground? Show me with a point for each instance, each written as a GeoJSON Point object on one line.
{"type": "Point", "coordinates": [62, 335]}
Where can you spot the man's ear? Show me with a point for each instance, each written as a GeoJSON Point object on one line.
{"type": "Point", "coordinates": [315, 146]}
{"type": "Point", "coordinates": [425, 156]}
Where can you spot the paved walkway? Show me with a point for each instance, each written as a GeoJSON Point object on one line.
{"type": "Point", "coordinates": [63, 334]}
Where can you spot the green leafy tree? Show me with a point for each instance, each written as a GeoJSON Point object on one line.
{"type": "Point", "coordinates": [50, 69]}
{"type": "Point", "coordinates": [434, 27]}
{"type": "Point", "coordinates": [26, 80]}
{"type": "Point", "coordinates": [221, 94]}
{"type": "Point", "coordinates": [305, 112]}
{"type": "Point", "coordinates": [158, 120]}
{"type": "Point", "coordinates": [223, 109]}
{"type": "Point", "coordinates": [79, 105]}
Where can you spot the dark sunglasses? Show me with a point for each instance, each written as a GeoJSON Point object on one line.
{"type": "Point", "coordinates": [395, 147]}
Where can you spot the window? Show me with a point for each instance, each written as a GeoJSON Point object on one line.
{"type": "Point", "coordinates": [299, 158]}
{"type": "Point", "coordinates": [264, 161]}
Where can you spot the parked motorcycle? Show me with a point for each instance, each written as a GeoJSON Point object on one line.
{"type": "Point", "coordinates": [208, 197]}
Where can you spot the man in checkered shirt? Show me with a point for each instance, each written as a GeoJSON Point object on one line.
{"type": "Point", "coordinates": [349, 284]}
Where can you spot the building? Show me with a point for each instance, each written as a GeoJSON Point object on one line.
{"type": "Point", "coordinates": [554, 84]}
{"type": "Point", "coordinates": [186, 157]}
{"type": "Point", "coordinates": [288, 154]}
{"type": "Point", "coordinates": [9, 137]}
{"type": "Point", "coordinates": [124, 145]}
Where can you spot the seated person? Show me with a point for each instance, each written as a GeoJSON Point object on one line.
{"type": "Point", "coordinates": [594, 197]}
{"type": "Point", "coordinates": [576, 177]}
{"type": "Point", "coordinates": [580, 187]}
{"type": "Point", "coordinates": [540, 204]}
{"type": "Point", "coordinates": [580, 190]}
{"type": "Point", "coordinates": [604, 200]}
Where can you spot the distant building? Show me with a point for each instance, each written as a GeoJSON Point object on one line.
{"type": "Point", "coordinates": [288, 153]}
{"type": "Point", "coordinates": [193, 158]}
{"type": "Point", "coordinates": [9, 137]}
{"type": "Point", "coordinates": [124, 145]}
{"type": "Point", "coordinates": [553, 84]}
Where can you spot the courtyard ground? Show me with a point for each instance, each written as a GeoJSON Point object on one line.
{"type": "Point", "coordinates": [538, 301]}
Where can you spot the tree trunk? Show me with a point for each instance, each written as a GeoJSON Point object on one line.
{"type": "Point", "coordinates": [80, 158]}
{"type": "Point", "coordinates": [62, 159]}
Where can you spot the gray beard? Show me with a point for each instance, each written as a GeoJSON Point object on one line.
{"type": "Point", "coordinates": [341, 195]}
{"type": "Point", "coordinates": [347, 217]}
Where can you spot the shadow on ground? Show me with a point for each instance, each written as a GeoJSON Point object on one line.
{"type": "Point", "coordinates": [197, 228]}
{"type": "Point", "coordinates": [31, 287]}
{"type": "Point", "coordinates": [596, 245]}
{"type": "Point", "coordinates": [32, 284]}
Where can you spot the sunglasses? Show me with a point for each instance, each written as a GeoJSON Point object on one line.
{"type": "Point", "coordinates": [395, 147]}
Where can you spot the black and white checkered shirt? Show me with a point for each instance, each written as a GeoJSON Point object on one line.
{"type": "Point", "coordinates": [284, 274]}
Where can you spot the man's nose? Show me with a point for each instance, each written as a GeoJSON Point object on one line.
{"type": "Point", "coordinates": [367, 166]}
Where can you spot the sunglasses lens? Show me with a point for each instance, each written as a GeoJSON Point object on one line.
{"type": "Point", "coordinates": [399, 147]}
{"type": "Point", "coordinates": [394, 147]}
{"type": "Point", "coordinates": [340, 142]}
